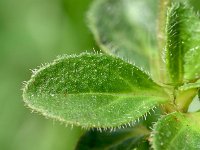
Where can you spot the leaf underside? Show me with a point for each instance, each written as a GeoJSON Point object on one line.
{"type": "Point", "coordinates": [92, 90]}
{"type": "Point", "coordinates": [177, 131]}
{"type": "Point", "coordinates": [121, 139]}
{"type": "Point", "coordinates": [183, 44]}
{"type": "Point", "coordinates": [122, 29]}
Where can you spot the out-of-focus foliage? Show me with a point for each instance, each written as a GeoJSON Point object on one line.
{"type": "Point", "coordinates": [31, 32]}
{"type": "Point", "coordinates": [120, 28]}
{"type": "Point", "coordinates": [121, 139]}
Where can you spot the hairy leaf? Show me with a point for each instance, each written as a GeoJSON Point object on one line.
{"type": "Point", "coordinates": [125, 28]}
{"type": "Point", "coordinates": [190, 86]}
{"type": "Point", "coordinates": [177, 131]}
{"type": "Point", "coordinates": [92, 90]}
{"type": "Point", "coordinates": [121, 139]}
{"type": "Point", "coordinates": [183, 44]}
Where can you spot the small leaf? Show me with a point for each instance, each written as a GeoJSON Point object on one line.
{"type": "Point", "coordinates": [121, 139]}
{"type": "Point", "coordinates": [92, 90]}
{"type": "Point", "coordinates": [188, 86]}
{"type": "Point", "coordinates": [183, 44]}
{"type": "Point", "coordinates": [177, 131]}
{"type": "Point", "coordinates": [125, 28]}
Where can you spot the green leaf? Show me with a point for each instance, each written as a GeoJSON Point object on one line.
{"type": "Point", "coordinates": [92, 90]}
{"type": "Point", "coordinates": [192, 57]}
{"type": "Point", "coordinates": [183, 44]}
{"type": "Point", "coordinates": [121, 139]}
{"type": "Point", "coordinates": [125, 28]}
{"type": "Point", "coordinates": [188, 86]}
{"type": "Point", "coordinates": [177, 131]}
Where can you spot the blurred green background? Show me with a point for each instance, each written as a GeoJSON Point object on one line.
{"type": "Point", "coordinates": [34, 32]}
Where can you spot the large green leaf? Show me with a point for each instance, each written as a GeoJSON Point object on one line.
{"type": "Point", "coordinates": [92, 90]}
{"type": "Point", "coordinates": [121, 139]}
{"type": "Point", "coordinates": [177, 131]}
{"type": "Point", "coordinates": [125, 28]}
{"type": "Point", "coordinates": [183, 44]}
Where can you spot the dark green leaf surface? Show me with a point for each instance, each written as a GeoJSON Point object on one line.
{"type": "Point", "coordinates": [92, 90]}
{"type": "Point", "coordinates": [121, 139]}
{"type": "Point", "coordinates": [183, 44]}
{"type": "Point", "coordinates": [125, 28]}
{"type": "Point", "coordinates": [177, 131]}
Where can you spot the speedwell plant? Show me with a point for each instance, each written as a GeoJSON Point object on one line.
{"type": "Point", "coordinates": [136, 93]}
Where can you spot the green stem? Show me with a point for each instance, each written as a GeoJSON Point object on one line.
{"type": "Point", "coordinates": [184, 99]}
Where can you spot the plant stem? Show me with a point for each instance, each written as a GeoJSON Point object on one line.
{"type": "Point", "coordinates": [184, 99]}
